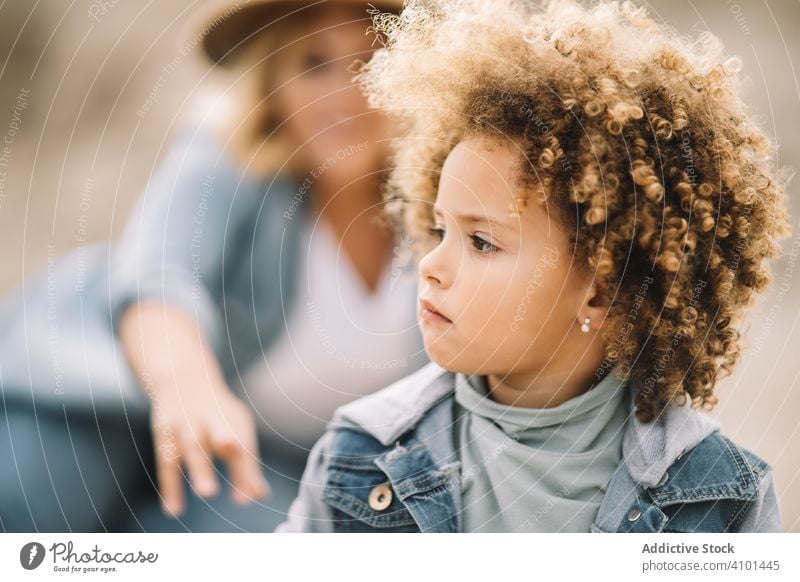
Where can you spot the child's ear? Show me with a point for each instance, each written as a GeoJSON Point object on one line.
{"type": "Point", "coordinates": [595, 308]}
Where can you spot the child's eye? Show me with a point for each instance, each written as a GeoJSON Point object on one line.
{"type": "Point", "coordinates": [482, 245]}
{"type": "Point", "coordinates": [437, 233]}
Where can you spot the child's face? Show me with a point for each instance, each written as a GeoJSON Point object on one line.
{"type": "Point", "coordinates": [507, 290]}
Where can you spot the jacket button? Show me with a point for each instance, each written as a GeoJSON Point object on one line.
{"type": "Point", "coordinates": [380, 497]}
{"type": "Point", "coordinates": [634, 514]}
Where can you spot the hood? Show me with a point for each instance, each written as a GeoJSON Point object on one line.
{"type": "Point", "coordinates": [649, 449]}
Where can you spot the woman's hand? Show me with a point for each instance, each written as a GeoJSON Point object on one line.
{"type": "Point", "coordinates": [190, 431]}
{"type": "Point", "coordinates": [194, 417]}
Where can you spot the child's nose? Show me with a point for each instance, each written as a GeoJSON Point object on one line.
{"type": "Point", "coordinates": [433, 267]}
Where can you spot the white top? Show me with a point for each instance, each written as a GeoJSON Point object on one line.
{"type": "Point", "coordinates": [341, 342]}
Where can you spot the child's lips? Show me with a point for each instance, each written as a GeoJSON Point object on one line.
{"type": "Point", "coordinates": [429, 313]}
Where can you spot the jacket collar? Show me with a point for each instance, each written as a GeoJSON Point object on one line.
{"type": "Point", "coordinates": [648, 449]}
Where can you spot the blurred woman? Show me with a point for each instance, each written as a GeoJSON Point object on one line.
{"type": "Point", "coordinates": [176, 379]}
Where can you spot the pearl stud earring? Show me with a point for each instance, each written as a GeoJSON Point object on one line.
{"type": "Point", "coordinates": [585, 327]}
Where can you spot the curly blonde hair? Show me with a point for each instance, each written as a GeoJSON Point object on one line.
{"type": "Point", "coordinates": [636, 140]}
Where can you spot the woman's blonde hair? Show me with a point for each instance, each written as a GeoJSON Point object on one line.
{"type": "Point", "coordinates": [637, 141]}
{"type": "Point", "coordinates": [250, 124]}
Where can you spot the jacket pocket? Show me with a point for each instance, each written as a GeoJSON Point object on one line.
{"type": "Point", "coordinates": [717, 516]}
{"type": "Point", "coordinates": [362, 499]}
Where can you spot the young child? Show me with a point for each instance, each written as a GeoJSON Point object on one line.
{"type": "Point", "coordinates": [595, 206]}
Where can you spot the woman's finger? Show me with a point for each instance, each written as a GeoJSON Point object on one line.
{"type": "Point", "coordinates": [247, 480]}
{"type": "Point", "coordinates": [168, 472]}
{"type": "Point", "coordinates": [199, 465]}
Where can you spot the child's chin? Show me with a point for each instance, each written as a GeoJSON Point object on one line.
{"type": "Point", "coordinates": [452, 360]}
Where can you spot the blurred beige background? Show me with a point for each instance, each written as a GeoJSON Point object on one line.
{"type": "Point", "coordinates": [76, 76]}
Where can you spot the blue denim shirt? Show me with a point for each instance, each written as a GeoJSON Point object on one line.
{"type": "Point", "coordinates": [204, 236]}
{"type": "Point", "coordinates": [387, 463]}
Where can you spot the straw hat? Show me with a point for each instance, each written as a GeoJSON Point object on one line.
{"type": "Point", "coordinates": [225, 26]}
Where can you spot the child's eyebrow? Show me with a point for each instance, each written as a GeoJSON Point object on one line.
{"type": "Point", "coordinates": [475, 218]}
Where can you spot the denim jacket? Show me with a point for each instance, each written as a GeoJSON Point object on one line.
{"type": "Point", "coordinates": [204, 236]}
{"type": "Point", "coordinates": [387, 464]}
